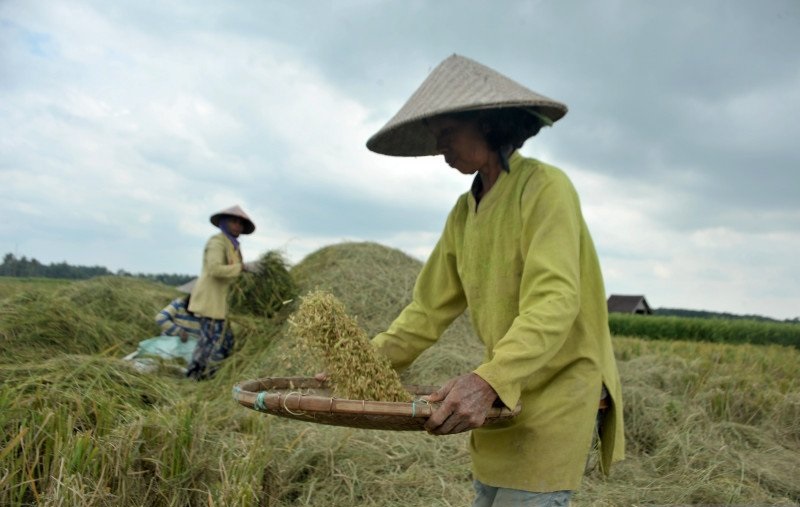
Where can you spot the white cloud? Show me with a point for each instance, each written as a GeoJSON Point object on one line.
{"type": "Point", "coordinates": [126, 126]}
{"type": "Point", "coordinates": [717, 268]}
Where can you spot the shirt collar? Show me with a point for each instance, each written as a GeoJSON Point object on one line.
{"type": "Point", "coordinates": [477, 183]}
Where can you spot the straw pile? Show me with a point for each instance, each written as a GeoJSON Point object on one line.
{"type": "Point", "coordinates": [375, 283]}
{"type": "Point", "coordinates": [355, 370]}
{"type": "Point", "coordinates": [104, 314]}
{"type": "Point", "coordinates": [264, 291]}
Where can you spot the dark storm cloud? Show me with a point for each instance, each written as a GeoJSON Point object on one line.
{"type": "Point", "coordinates": [658, 91]}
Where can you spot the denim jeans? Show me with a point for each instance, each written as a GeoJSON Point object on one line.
{"type": "Point", "coordinates": [488, 496]}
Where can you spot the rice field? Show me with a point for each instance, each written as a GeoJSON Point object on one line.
{"type": "Point", "coordinates": [657, 327]}
{"type": "Point", "coordinates": [706, 423]}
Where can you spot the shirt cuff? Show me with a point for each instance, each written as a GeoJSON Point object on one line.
{"type": "Point", "coordinates": [508, 393]}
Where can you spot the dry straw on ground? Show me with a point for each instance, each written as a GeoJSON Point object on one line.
{"type": "Point", "coordinates": [711, 424]}
{"type": "Point", "coordinates": [109, 314]}
{"type": "Point", "coordinates": [374, 282]}
{"type": "Point", "coordinates": [355, 370]}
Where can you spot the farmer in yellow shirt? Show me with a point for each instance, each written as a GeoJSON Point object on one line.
{"type": "Point", "coordinates": [222, 265]}
{"type": "Point", "coordinates": [516, 251]}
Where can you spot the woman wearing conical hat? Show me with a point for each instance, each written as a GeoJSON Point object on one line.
{"type": "Point", "coordinates": [222, 264]}
{"type": "Point", "coordinates": [516, 251]}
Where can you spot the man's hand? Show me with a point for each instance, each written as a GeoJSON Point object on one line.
{"type": "Point", "coordinates": [183, 335]}
{"type": "Point", "coordinates": [467, 400]}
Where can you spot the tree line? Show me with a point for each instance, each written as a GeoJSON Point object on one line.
{"type": "Point", "coordinates": [703, 314]}
{"type": "Point", "coordinates": [31, 268]}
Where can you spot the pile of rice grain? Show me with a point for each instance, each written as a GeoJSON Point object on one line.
{"type": "Point", "coordinates": [355, 369]}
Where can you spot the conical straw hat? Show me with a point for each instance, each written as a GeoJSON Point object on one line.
{"type": "Point", "coordinates": [455, 85]}
{"type": "Point", "coordinates": [234, 211]}
{"type": "Point", "coordinates": [188, 286]}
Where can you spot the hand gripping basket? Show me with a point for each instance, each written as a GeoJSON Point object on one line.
{"type": "Point", "coordinates": [308, 399]}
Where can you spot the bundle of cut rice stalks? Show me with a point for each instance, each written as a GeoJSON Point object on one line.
{"type": "Point", "coordinates": [355, 369]}
{"type": "Point", "coordinates": [264, 290]}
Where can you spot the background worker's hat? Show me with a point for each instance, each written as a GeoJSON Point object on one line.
{"type": "Point", "coordinates": [187, 287]}
{"type": "Point", "coordinates": [234, 211]}
{"type": "Point", "coordinates": [457, 84]}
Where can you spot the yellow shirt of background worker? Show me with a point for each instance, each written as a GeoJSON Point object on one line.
{"type": "Point", "coordinates": [222, 265]}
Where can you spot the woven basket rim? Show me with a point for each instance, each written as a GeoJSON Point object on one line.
{"type": "Point", "coordinates": [304, 398]}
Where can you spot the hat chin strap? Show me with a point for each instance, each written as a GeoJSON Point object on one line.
{"type": "Point", "coordinates": [503, 152]}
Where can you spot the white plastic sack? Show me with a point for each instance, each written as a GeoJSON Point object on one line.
{"type": "Point", "coordinates": [147, 357]}
{"type": "Point", "coordinates": [167, 347]}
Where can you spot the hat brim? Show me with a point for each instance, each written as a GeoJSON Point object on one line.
{"type": "Point", "coordinates": [249, 226]}
{"type": "Point", "coordinates": [413, 137]}
{"type": "Point", "coordinates": [187, 287]}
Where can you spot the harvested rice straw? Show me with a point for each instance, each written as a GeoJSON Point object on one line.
{"type": "Point", "coordinates": [265, 290]}
{"type": "Point", "coordinates": [355, 369]}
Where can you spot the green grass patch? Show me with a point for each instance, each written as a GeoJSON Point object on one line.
{"type": "Point", "coordinates": [707, 330]}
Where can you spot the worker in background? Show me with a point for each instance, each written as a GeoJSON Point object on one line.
{"type": "Point", "coordinates": [222, 265]}
{"type": "Point", "coordinates": [175, 319]}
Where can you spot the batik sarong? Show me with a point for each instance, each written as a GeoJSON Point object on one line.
{"type": "Point", "coordinates": [213, 346]}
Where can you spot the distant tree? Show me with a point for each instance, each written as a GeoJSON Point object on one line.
{"type": "Point", "coordinates": [32, 268]}
{"type": "Point", "coordinates": [9, 263]}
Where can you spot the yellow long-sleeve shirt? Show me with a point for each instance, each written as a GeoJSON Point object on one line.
{"type": "Point", "coordinates": [524, 263]}
{"type": "Point", "coordinates": [222, 264]}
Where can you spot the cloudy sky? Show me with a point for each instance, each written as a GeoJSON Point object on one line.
{"type": "Point", "coordinates": [124, 125]}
